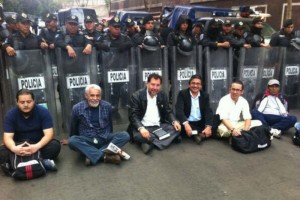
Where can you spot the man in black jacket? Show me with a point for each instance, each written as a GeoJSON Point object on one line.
{"type": "Point", "coordinates": [193, 110]}
{"type": "Point", "coordinates": [284, 36]}
{"type": "Point", "coordinates": [150, 111]}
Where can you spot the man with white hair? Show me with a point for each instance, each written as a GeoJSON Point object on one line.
{"type": "Point", "coordinates": [91, 129]}
{"type": "Point", "coordinates": [271, 108]}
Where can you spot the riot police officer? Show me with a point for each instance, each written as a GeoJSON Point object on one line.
{"type": "Point", "coordinates": [131, 28]}
{"type": "Point", "coordinates": [51, 30]}
{"type": "Point", "coordinates": [198, 32]}
{"type": "Point", "coordinates": [146, 38]}
{"type": "Point", "coordinates": [283, 37]}
{"type": "Point", "coordinates": [226, 32]}
{"type": "Point", "coordinates": [11, 27]}
{"type": "Point", "coordinates": [73, 38]}
{"type": "Point", "coordinates": [115, 42]}
{"type": "Point", "coordinates": [254, 36]}
{"type": "Point", "coordinates": [23, 39]}
{"type": "Point", "coordinates": [212, 37]}
{"type": "Point", "coordinates": [90, 31]}
{"type": "Point", "coordinates": [182, 34]}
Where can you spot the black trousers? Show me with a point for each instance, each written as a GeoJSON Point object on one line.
{"type": "Point", "coordinates": [49, 151]}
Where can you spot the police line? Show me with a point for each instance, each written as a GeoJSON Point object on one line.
{"type": "Point", "coordinates": [216, 66]}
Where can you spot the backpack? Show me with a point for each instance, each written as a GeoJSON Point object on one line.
{"type": "Point", "coordinates": [256, 139]}
{"type": "Point", "coordinates": [27, 167]}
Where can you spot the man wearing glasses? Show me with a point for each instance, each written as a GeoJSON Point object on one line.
{"type": "Point", "coordinates": [73, 38]}
{"type": "Point", "coordinates": [193, 110]}
{"type": "Point", "coordinates": [234, 112]}
{"type": "Point", "coordinates": [271, 108]}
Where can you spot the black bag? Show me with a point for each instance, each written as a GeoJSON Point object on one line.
{"type": "Point", "coordinates": [27, 167]}
{"type": "Point", "coordinates": [256, 139]}
{"type": "Point", "coordinates": [296, 138]}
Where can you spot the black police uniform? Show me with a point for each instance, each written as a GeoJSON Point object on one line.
{"type": "Point", "coordinates": [175, 37]}
{"type": "Point", "coordinates": [19, 42]}
{"type": "Point", "coordinates": [78, 40]}
{"type": "Point", "coordinates": [281, 39]}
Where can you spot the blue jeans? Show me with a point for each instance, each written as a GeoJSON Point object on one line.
{"type": "Point", "coordinates": [92, 150]}
{"type": "Point", "coordinates": [275, 121]}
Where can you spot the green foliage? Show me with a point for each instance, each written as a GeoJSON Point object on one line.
{"type": "Point", "coordinates": [33, 7]}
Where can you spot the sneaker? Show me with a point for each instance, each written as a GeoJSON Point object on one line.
{"type": "Point", "coordinates": [49, 165]}
{"type": "Point", "coordinates": [146, 148]}
{"type": "Point", "coordinates": [112, 158]}
{"type": "Point", "coordinates": [87, 162]}
{"type": "Point", "coordinates": [275, 132]}
{"type": "Point", "coordinates": [198, 138]}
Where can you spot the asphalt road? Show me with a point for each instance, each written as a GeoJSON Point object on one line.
{"type": "Point", "coordinates": [211, 170]}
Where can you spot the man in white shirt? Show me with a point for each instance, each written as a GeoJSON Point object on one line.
{"type": "Point", "coordinates": [234, 112]}
{"type": "Point", "coordinates": [271, 108]}
{"type": "Point", "coordinates": [149, 111]}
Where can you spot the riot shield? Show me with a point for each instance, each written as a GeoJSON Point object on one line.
{"type": "Point", "coordinates": [74, 75]}
{"type": "Point", "coordinates": [30, 69]}
{"type": "Point", "coordinates": [271, 61]}
{"type": "Point", "coordinates": [218, 68]}
{"type": "Point", "coordinates": [290, 76]}
{"type": "Point", "coordinates": [250, 72]}
{"type": "Point", "coordinates": [2, 91]}
{"type": "Point", "coordinates": [118, 81]}
{"type": "Point", "coordinates": [182, 68]}
{"type": "Point", "coordinates": [149, 62]}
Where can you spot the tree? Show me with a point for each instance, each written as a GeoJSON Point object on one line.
{"type": "Point", "coordinates": [108, 5]}
{"type": "Point", "coordinates": [33, 7]}
{"type": "Point", "coordinates": [289, 9]}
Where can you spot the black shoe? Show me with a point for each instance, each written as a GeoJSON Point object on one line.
{"type": "Point", "coordinates": [178, 139]}
{"type": "Point", "coordinates": [198, 138]}
{"type": "Point", "coordinates": [146, 148]}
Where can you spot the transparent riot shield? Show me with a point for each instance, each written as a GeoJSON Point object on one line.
{"type": "Point", "coordinates": [30, 69]}
{"type": "Point", "coordinates": [218, 68]}
{"type": "Point", "coordinates": [118, 81]}
{"type": "Point", "coordinates": [74, 75]}
{"type": "Point", "coordinates": [182, 68]}
{"type": "Point", "coordinates": [290, 76]}
{"type": "Point", "coordinates": [2, 91]}
{"type": "Point", "coordinates": [250, 72]}
{"type": "Point", "coordinates": [150, 62]}
{"type": "Point", "coordinates": [271, 61]}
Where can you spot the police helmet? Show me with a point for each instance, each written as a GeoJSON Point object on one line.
{"type": "Point", "coordinates": [151, 43]}
{"type": "Point", "coordinates": [185, 47]}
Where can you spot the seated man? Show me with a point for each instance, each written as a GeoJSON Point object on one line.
{"type": "Point", "coordinates": [231, 107]}
{"type": "Point", "coordinates": [28, 128]}
{"type": "Point", "coordinates": [193, 110]}
{"type": "Point", "coordinates": [91, 129]}
{"type": "Point", "coordinates": [149, 111]}
{"type": "Point", "coordinates": [272, 109]}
